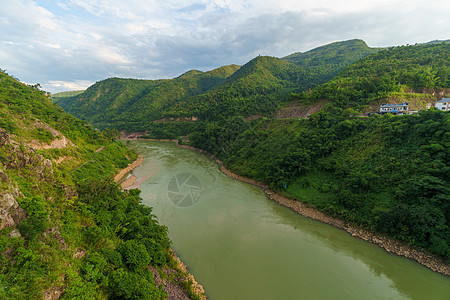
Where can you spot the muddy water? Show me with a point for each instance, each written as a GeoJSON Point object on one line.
{"type": "Point", "coordinates": [240, 245]}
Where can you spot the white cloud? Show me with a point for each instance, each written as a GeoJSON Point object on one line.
{"type": "Point", "coordinates": [70, 86]}
{"type": "Point", "coordinates": [90, 40]}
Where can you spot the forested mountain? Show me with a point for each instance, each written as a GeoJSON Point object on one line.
{"type": "Point", "coordinates": [327, 61]}
{"type": "Point", "coordinates": [404, 72]}
{"type": "Point", "coordinates": [59, 95]}
{"type": "Point", "coordinates": [388, 174]}
{"type": "Point", "coordinates": [65, 229]}
{"type": "Point", "coordinates": [116, 101]}
{"type": "Point", "coordinates": [257, 88]}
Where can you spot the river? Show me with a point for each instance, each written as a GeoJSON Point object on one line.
{"type": "Point", "coordinates": [240, 245]}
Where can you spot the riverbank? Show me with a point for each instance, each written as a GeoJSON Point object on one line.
{"type": "Point", "coordinates": [390, 245]}
{"type": "Point", "coordinates": [178, 283]}
{"type": "Point", "coordinates": [132, 179]}
{"type": "Point", "coordinates": [184, 283]}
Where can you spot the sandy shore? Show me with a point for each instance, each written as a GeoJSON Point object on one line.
{"type": "Point", "coordinates": [132, 179]}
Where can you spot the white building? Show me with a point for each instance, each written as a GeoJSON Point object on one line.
{"type": "Point", "coordinates": [443, 104]}
{"type": "Point", "coordinates": [395, 109]}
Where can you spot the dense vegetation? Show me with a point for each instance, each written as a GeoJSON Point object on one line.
{"type": "Point", "coordinates": [59, 95]}
{"type": "Point", "coordinates": [76, 233]}
{"type": "Point", "coordinates": [387, 174]}
{"type": "Point", "coordinates": [257, 88]}
{"type": "Point", "coordinates": [397, 72]}
{"type": "Point", "coordinates": [325, 62]}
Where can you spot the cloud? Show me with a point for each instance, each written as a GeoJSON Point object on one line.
{"type": "Point", "coordinates": [82, 41]}
{"type": "Point", "coordinates": [77, 85]}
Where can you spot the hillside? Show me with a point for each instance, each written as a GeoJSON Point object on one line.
{"type": "Point", "coordinates": [418, 74]}
{"type": "Point", "coordinates": [57, 96]}
{"type": "Point", "coordinates": [327, 61]}
{"type": "Point", "coordinates": [388, 174]}
{"type": "Point", "coordinates": [66, 230]}
{"type": "Point", "coordinates": [116, 101]}
{"type": "Point", "coordinates": [257, 88]}
{"type": "Point", "coordinates": [385, 174]}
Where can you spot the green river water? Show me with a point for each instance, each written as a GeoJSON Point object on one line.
{"type": "Point", "coordinates": [240, 245]}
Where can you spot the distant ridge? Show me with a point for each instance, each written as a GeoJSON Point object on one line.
{"type": "Point", "coordinates": [259, 87]}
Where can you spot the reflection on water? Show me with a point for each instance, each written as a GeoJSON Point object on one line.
{"type": "Point", "coordinates": [240, 245]}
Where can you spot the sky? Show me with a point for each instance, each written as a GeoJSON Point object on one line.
{"type": "Point", "coordinates": [69, 45]}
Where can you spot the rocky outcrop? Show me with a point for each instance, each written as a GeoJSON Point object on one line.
{"type": "Point", "coordinates": [4, 138]}
{"type": "Point", "coordinates": [59, 141]}
{"type": "Point", "coordinates": [79, 254]}
{"type": "Point", "coordinates": [178, 281]}
{"type": "Point", "coordinates": [56, 235]}
{"type": "Point", "coordinates": [23, 157]}
{"type": "Point", "coordinates": [128, 169]}
{"type": "Point", "coordinates": [10, 211]}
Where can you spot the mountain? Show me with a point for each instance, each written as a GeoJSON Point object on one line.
{"type": "Point", "coordinates": [334, 57]}
{"type": "Point", "coordinates": [438, 42]}
{"type": "Point", "coordinates": [65, 227]}
{"type": "Point", "coordinates": [387, 174]}
{"type": "Point", "coordinates": [256, 88]}
{"type": "Point", "coordinates": [418, 74]}
{"type": "Point", "coordinates": [59, 95]}
{"type": "Point", "coordinates": [116, 100]}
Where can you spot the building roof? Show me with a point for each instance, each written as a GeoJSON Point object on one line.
{"type": "Point", "coordinates": [444, 100]}
{"type": "Point", "coordinates": [394, 105]}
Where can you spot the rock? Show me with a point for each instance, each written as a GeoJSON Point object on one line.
{"type": "Point", "coordinates": [4, 138]}
{"type": "Point", "coordinates": [10, 211]}
{"type": "Point", "coordinates": [53, 293]}
{"type": "Point", "coordinates": [377, 240]}
{"type": "Point", "coordinates": [80, 253]}
{"type": "Point", "coordinates": [15, 233]}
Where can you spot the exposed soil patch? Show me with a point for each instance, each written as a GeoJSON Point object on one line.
{"type": "Point", "coordinates": [59, 142]}
{"type": "Point", "coordinates": [121, 174]}
{"type": "Point", "coordinates": [299, 111]}
{"type": "Point", "coordinates": [179, 119]}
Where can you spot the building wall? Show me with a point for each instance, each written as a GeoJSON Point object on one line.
{"type": "Point", "coordinates": [445, 106]}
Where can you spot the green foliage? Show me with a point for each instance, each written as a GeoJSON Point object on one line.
{"type": "Point", "coordinates": [134, 254]}
{"type": "Point", "coordinates": [36, 222]}
{"type": "Point", "coordinates": [126, 285]}
{"type": "Point", "coordinates": [420, 67]}
{"type": "Point", "coordinates": [257, 88]}
{"type": "Point", "coordinates": [58, 96]}
{"type": "Point", "coordinates": [43, 135]}
{"type": "Point", "coordinates": [171, 130]}
{"type": "Point", "coordinates": [67, 212]}
{"type": "Point", "coordinates": [388, 174]}
{"type": "Point", "coordinates": [330, 59]}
